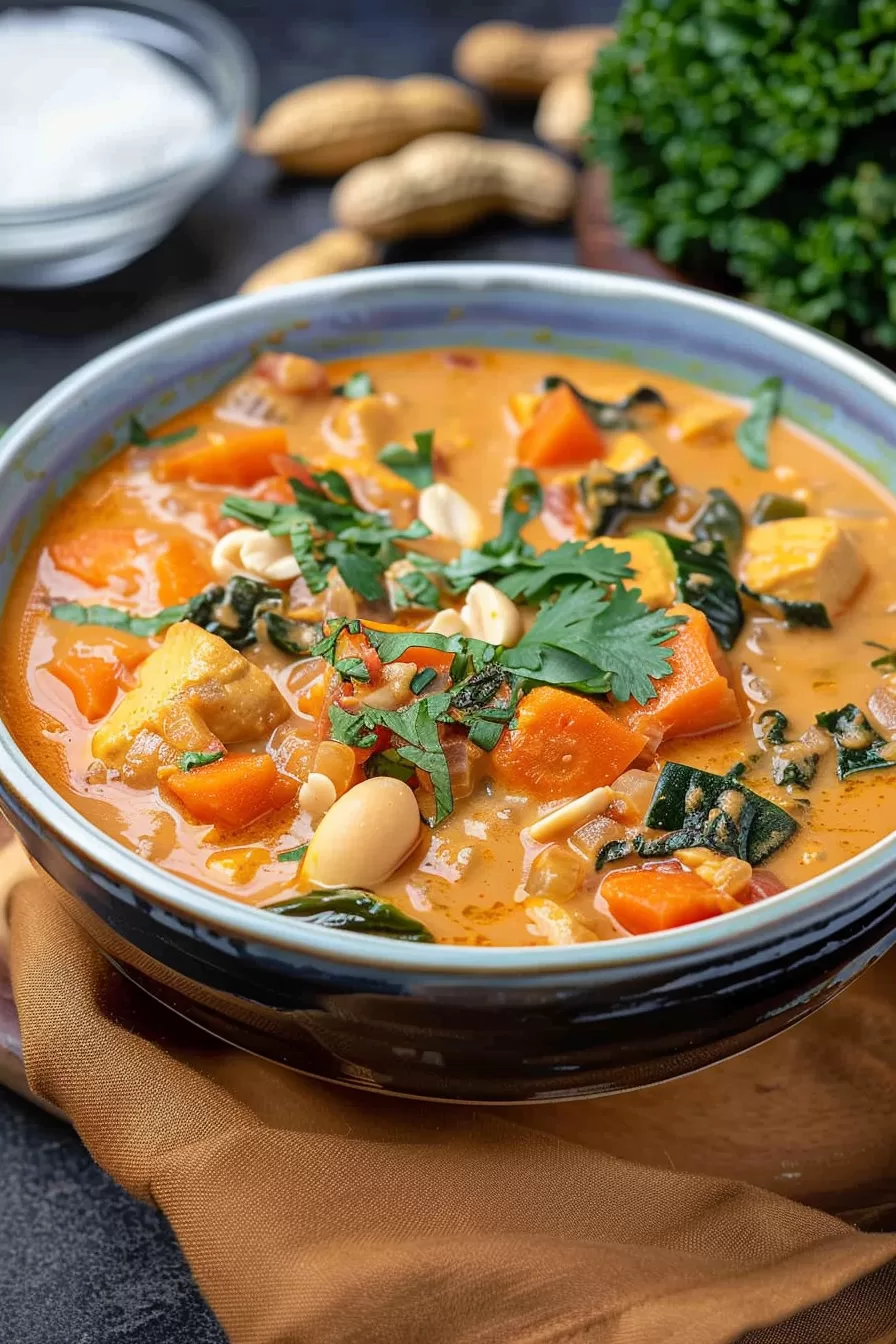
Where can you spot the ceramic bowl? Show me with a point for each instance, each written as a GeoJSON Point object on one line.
{"type": "Point", "coordinates": [451, 1022]}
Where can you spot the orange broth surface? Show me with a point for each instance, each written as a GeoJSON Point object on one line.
{"type": "Point", "coordinates": [467, 880]}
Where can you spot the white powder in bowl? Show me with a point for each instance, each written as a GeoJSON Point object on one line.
{"type": "Point", "coordinates": [82, 115]}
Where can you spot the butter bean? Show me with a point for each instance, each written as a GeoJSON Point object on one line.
{"type": "Point", "coordinates": [364, 837]}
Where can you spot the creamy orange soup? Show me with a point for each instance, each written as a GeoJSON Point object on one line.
{"type": "Point", "coordinates": [505, 780]}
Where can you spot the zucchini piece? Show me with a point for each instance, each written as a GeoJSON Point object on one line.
{"type": "Point", "coordinates": [701, 808]}
{"type": "Point", "coordinates": [703, 579]}
{"type": "Point", "coordinates": [771, 508]}
{"type": "Point", "coordinates": [720, 519]}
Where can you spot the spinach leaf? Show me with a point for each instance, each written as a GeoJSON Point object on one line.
{"type": "Point", "coordinates": [859, 746]}
{"type": "Point", "coordinates": [610, 496]}
{"type": "Point", "coordinates": [139, 436]}
{"type": "Point", "coordinates": [795, 615]}
{"type": "Point", "coordinates": [704, 580]}
{"type": "Point", "coordinates": [191, 760]}
{"type": "Point", "coordinates": [485, 704]}
{"type": "Point", "coordinates": [641, 407]}
{"type": "Point", "coordinates": [412, 582]}
{"type": "Point", "coordinates": [771, 508]}
{"type": "Point", "coordinates": [415, 467]}
{"type": "Point", "coordinates": [720, 520]}
{"type": "Point", "coordinates": [114, 619]}
{"type": "Point", "coordinates": [296, 638]}
{"type": "Point", "coordinates": [793, 763]}
{"type": "Point", "coordinates": [752, 433]}
{"type": "Point", "coordinates": [357, 386]}
{"type": "Point", "coordinates": [389, 763]}
{"type": "Point", "coordinates": [355, 910]}
{"type": "Point", "coordinates": [698, 808]}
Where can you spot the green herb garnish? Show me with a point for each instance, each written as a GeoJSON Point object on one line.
{"type": "Point", "coordinates": [887, 660]}
{"type": "Point", "coordinates": [420, 680]}
{"type": "Point", "coordinates": [292, 855]}
{"type": "Point", "coordinates": [357, 386]}
{"type": "Point", "coordinates": [752, 433]}
{"type": "Point", "coordinates": [415, 467]}
{"type": "Point", "coordinates": [192, 760]}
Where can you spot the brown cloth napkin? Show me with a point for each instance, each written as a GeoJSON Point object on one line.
{"type": "Point", "coordinates": [312, 1214]}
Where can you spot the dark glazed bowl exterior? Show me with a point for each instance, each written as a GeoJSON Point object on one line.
{"type": "Point", "coordinates": [455, 1023]}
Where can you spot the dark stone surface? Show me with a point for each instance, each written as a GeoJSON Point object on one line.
{"type": "Point", "coordinates": [80, 1261]}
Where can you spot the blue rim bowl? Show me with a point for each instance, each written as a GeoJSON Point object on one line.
{"type": "Point", "coordinates": [451, 1022]}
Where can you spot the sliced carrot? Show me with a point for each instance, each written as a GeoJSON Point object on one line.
{"type": "Point", "coordinates": [234, 791]}
{"type": "Point", "coordinates": [645, 900]}
{"type": "Point", "coordinates": [182, 571]}
{"type": "Point", "coordinates": [95, 665]}
{"type": "Point", "coordinates": [238, 458]}
{"type": "Point", "coordinates": [108, 553]}
{"type": "Point", "coordinates": [561, 433]}
{"type": "Point", "coordinates": [563, 745]}
{"type": "Point", "coordinates": [697, 696]}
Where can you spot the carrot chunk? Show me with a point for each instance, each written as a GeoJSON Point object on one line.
{"type": "Point", "coordinates": [234, 791]}
{"type": "Point", "coordinates": [561, 433]}
{"type": "Point", "coordinates": [697, 696]}
{"type": "Point", "coordinates": [105, 557]}
{"type": "Point", "coordinates": [96, 668]}
{"type": "Point", "coordinates": [182, 571]}
{"type": "Point", "coordinates": [236, 458]}
{"type": "Point", "coordinates": [648, 899]}
{"type": "Point", "coordinates": [563, 745]}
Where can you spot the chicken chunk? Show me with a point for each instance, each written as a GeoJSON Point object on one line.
{"type": "Point", "coordinates": [653, 574]}
{"type": "Point", "coordinates": [803, 560]}
{"type": "Point", "coordinates": [194, 693]}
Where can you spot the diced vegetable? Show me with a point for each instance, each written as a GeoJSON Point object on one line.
{"type": "Point", "coordinates": [657, 897]}
{"type": "Point", "coordinates": [608, 497]}
{"type": "Point", "coordinates": [238, 458]}
{"type": "Point", "coordinates": [182, 571]}
{"type": "Point", "coordinates": [697, 697]}
{"type": "Point", "coordinates": [697, 807]}
{"type": "Point", "coordinates": [653, 569]}
{"type": "Point", "coordinates": [95, 666]}
{"type": "Point", "coordinates": [102, 558]}
{"type": "Point", "coordinates": [234, 791]}
{"type": "Point", "coordinates": [641, 408]}
{"type": "Point", "coordinates": [561, 433]}
{"type": "Point", "coordinates": [702, 578]}
{"type": "Point", "coordinates": [803, 560]}
{"type": "Point", "coordinates": [563, 745]}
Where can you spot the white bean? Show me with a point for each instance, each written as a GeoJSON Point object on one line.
{"type": "Point", "coordinates": [317, 795]}
{"type": "Point", "coordinates": [364, 837]}
{"type": "Point", "coordinates": [490, 615]}
{"type": "Point", "coordinates": [449, 515]}
{"type": "Point", "coordinates": [255, 553]}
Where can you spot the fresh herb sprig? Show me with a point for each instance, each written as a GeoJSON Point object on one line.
{"type": "Point", "coordinates": [414, 466]}
{"type": "Point", "coordinates": [752, 433]}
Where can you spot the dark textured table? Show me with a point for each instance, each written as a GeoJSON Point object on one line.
{"type": "Point", "coordinates": [81, 1262]}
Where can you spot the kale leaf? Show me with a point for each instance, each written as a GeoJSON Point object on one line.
{"type": "Point", "coordinates": [608, 496]}
{"type": "Point", "coordinates": [355, 910]}
{"type": "Point", "coordinates": [859, 746]}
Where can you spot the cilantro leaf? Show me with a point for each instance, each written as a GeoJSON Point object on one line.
{"type": "Point", "coordinates": [572, 562]}
{"type": "Point", "coordinates": [192, 760]}
{"type": "Point", "coordinates": [593, 644]}
{"type": "Point", "coordinates": [140, 437]}
{"type": "Point", "coordinates": [503, 553]}
{"type": "Point", "coordinates": [415, 467]}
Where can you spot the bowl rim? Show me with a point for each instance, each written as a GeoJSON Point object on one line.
{"type": "Point", "coordinates": [211, 151]}
{"type": "Point", "coordinates": [98, 851]}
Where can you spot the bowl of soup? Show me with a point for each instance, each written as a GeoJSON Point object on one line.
{"type": "Point", "coordinates": [472, 682]}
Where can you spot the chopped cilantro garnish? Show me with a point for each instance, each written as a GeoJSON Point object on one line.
{"type": "Point", "coordinates": [420, 680]}
{"type": "Point", "coordinates": [571, 563]}
{"type": "Point", "coordinates": [415, 467]}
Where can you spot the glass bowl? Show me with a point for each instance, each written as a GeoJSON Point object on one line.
{"type": "Point", "coordinates": [67, 244]}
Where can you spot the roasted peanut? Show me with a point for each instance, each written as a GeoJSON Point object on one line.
{"type": "Point", "coordinates": [513, 59]}
{"type": "Point", "coordinates": [563, 110]}
{"type": "Point", "coordinates": [326, 128]}
{"type": "Point", "coordinates": [449, 514]}
{"type": "Point", "coordinates": [328, 253]}
{"type": "Point", "coordinates": [255, 553]}
{"type": "Point", "coordinates": [490, 615]}
{"type": "Point", "coordinates": [443, 183]}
